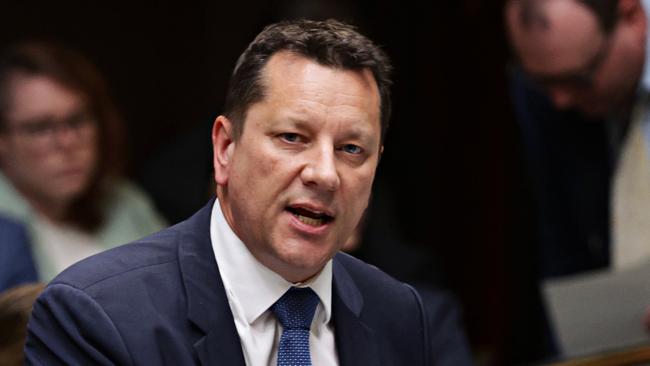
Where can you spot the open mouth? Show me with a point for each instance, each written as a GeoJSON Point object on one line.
{"type": "Point", "coordinates": [309, 217]}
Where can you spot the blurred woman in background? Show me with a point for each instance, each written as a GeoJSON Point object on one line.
{"type": "Point", "coordinates": [61, 156]}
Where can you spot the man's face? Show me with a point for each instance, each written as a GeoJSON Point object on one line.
{"type": "Point", "coordinates": [577, 64]}
{"type": "Point", "coordinates": [48, 149]}
{"type": "Point", "coordinates": [297, 181]}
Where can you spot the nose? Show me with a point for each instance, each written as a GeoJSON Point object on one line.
{"type": "Point", "coordinates": [561, 97]}
{"type": "Point", "coordinates": [65, 136]}
{"type": "Point", "coordinates": [320, 170]}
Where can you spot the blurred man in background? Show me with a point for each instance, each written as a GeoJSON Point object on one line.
{"type": "Point", "coordinates": [590, 56]}
{"type": "Point", "coordinates": [585, 61]}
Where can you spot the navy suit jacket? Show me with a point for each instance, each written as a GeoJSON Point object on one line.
{"type": "Point", "coordinates": [16, 265]}
{"type": "Point", "coordinates": [161, 301]}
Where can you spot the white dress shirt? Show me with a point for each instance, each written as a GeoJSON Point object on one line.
{"type": "Point", "coordinates": [252, 288]}
{"type": "Point", "coordinates": [630, 206]}
{"type": "Point", "coordinates": [64, 245]}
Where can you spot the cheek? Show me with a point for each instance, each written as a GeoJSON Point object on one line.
{"type": "Point", "coordinates": [28, 167]}
{"type": "Point", "coordinates": [613, 77]}
{"type": "Point", "coordinates": [364, 178]}
{"type": "Point", "coordinates": [29, 158]}
{"type": "Point", "coordinates": [253, 177]}
{"type": "Point", "coordinates": [91, 156]}
{"type": "Point", "coordinates": [605, 85]}
{"type": "Point", "coordinates": [357, 191]}
{"type": "Point", "coordinates": [269, 170]}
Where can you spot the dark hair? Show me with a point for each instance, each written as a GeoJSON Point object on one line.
{"type": "Point", "coordinates": [605, 11]}
{"type": "Point", "coordinates": [74, 72]}
{"type": "Point", "coordinates": [15, 307]}
{"type": "Point", "coordinates": [329, 42]}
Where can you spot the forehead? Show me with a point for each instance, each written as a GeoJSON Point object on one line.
{"type": "Point", "coordinates": [36, 96]}
{"type": "Point", "coordinates": [568, 35]}
{"type": "Point", "coordinates": [296, 82]}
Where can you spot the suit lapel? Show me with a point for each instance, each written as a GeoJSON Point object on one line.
{"type": "Point", "coordinates": [355, 341]}
{"type": "Point", "coordinates": [207, 303]}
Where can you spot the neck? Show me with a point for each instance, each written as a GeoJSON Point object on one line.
{"type": "Point", "coordinates": [55, 213]}
{"type": "Point", "coordinates": [54, 210]}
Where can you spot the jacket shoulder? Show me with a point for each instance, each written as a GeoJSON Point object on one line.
{"type": "Point", "coordinates": [125, 260]}
{"type": "Point", "coordinates": [370, 278]}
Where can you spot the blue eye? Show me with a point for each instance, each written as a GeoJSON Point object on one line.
{"type": "Point", "coordinates": [352, 149]}
{"type": "Point", "coordinates": [290, 137]}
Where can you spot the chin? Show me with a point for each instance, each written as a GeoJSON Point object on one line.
{"type": "Point", "coordinates": [300, 262]}
{"type": "Point", "coordinates": [68, 193]}
{"type": "Point", "coordinates": [305, 262]}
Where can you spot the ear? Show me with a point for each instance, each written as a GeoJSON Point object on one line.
{"type": "Point", "coordinates": [381, 153]}
{"type": "Point", "coordinates": [223, 147]}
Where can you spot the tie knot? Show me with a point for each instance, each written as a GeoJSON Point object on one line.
{"type": "Point", "coordinates": [295, 309]}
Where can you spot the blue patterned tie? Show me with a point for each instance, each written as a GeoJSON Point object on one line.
{"type": "Point", "coordinates": [295, 311]}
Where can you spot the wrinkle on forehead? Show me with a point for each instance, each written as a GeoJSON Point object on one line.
{"type": "Point", "coordinates": [300, 93]}
{"type": "Point", "coordinates": [289, 68]}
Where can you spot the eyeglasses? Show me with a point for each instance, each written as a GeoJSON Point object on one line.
{"type": "Point", "coordinates": [582, 78]}
{"type": "Point", "coordinates": [45, 130]}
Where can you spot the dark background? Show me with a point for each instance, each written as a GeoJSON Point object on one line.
{"type": "Point", "coordinates": [450, 171]}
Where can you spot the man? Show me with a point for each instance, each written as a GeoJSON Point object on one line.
{"type": "Point", "coordinates": [589, 56]}
{"type": "Point", "coordinates": [295, 155]}
{"type": "Point", "coordinates": [584, 61]}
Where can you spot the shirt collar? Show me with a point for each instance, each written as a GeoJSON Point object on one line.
{"type": "Point", "coordinates": [254, 286]}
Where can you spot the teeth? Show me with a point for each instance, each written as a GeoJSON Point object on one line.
{"type": "Point", "coordinates": [309, 221]}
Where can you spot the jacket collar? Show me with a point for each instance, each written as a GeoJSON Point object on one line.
{"type": "Point", "coordinates": [355, 340]}
{"type": "Point", "coordinates": [207, 304]}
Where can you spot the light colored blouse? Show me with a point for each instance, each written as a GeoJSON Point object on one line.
{"type": "Point", "coordinates": [129, 215]}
